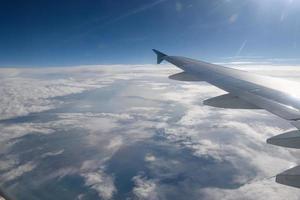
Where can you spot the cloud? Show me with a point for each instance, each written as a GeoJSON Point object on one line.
{"type": "Point", "coordinates": [100, 182]}
{"type": "Point", "coordinates": [241, 48]}
{"type": "Point", "coordinates": [23, 95]}
{"type": "Point", "coordinates": [17, 172]}
{"type": "Point", "coordinates": [142, 105]}
{"type": "Point", "coordinates": [258, 190]}
{"type": "Point", "coordinates": [150, 158]}
{"type": "Point", "coordinates": [94, 123]}
{"type": "Point", "coordinates": [6, 164]}
{"type": "Point", "coordinates": [144, 188]}
{"type": "Point", "coordinates": [115, 143]}
{"type": "Point", "coordinates": [55, 153]}
{"type": "Point", "coordinates": [235, 136]}
{"type": "Point", "coordinates": [24, 91]}
{"type": "Point", "coordinates": [12, 131]}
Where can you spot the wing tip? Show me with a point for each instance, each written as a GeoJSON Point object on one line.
{"type": "Point", "coordinates": [160, 55]}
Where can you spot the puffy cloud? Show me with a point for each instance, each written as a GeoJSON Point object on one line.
{"type": "Point", "coordinates": [151, 106]}
{"type": "Point", "coordinates": [23, 95]}
{"type": "Point", "coordinates": [144, 188]}
{"type": "Point", "coordinates": [235, 136]}
{"type": "Point", "coordinates": [100, 182]}
{"type": "Point", "coordinates": [115, 143]}
{"type": "Point", "coordinates": [263, 189]}
{"type": "Point", "coordinates": [150, 158]}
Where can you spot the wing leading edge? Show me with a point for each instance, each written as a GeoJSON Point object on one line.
{"type": "Point", "coordinates": [280, 97]}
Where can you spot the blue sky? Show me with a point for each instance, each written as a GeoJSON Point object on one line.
{"type": "Point", "coordinates": [74, 32]}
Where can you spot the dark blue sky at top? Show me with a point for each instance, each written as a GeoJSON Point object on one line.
{"type": "Point", "coordinates": [77, 32]}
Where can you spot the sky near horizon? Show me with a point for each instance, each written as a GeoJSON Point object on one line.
{"type": "Point", "coordinates": [58, 33]}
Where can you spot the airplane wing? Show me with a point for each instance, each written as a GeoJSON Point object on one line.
{"type": "Point", "coordinates": [248, 91]}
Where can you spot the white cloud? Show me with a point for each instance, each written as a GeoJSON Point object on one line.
{"type": "Point", "coordinates": [115, 143]}
{"type": "Point", "coordinates": [236, 136]}
{"type": "Point", "coordinates": [16, 130]}
{"type": "Point", "coordinates": [23, 91]}
{"type": "Point", "coordinates": [7, 164]}
{"type": "Point", "coordinates": [150, 158]}
{"type": "Point", "coordinates": [20, 96]}
{"type": "Point", "coordinates": [18, 171]}
{"type": "Point", "coordinates": [144, 188]}
{"type": "Point", "coordinates": [100, 182]}
{"type": "Point", "coordinates": [264, 189]}
{"type": "Point", "coordinates": [50, 154]}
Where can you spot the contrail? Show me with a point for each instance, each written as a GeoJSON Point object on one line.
{"type": "Point", "coordinates": [241, 48]}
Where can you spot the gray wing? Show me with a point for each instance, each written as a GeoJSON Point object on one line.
{"type": "Point", "coordinates": [248, 91]}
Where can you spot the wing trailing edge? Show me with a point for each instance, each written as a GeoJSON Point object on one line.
{"type": "Point", "coordinates": [229, 101]}
{"type": "Point", "coordinates": [289, 139]}
{"type": "Point", "coordinates": [184, 76]}
{"type": "Point", "coordinates": [290, 177]}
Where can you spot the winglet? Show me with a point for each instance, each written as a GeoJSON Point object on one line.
{"type": "Point", "coordinates": [160, 56]}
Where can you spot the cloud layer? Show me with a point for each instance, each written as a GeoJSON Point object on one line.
{"type": "Point", "coordinates": [129, 132]}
